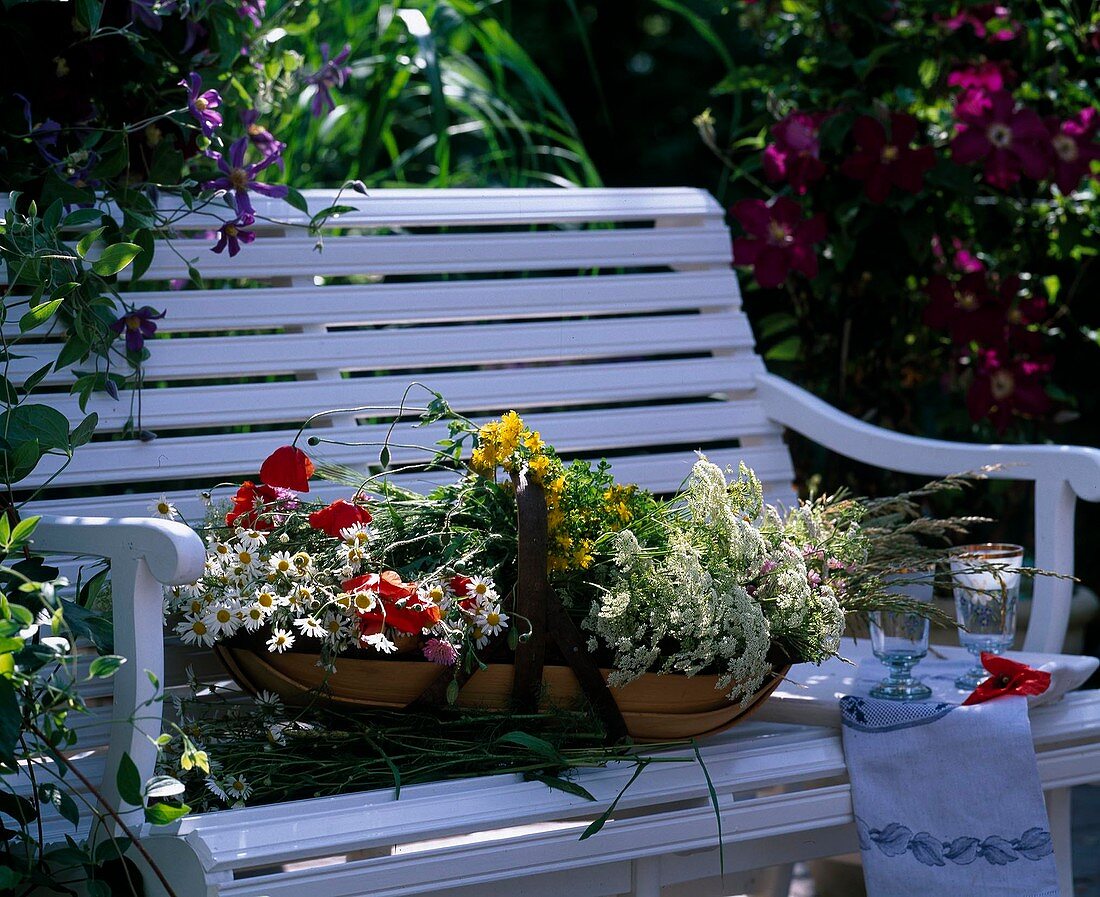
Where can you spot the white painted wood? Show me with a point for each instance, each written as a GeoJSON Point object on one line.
{"type": "Point", "coordinates": [488, 296]}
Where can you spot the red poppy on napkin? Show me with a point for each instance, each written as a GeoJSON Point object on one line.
{"type": "Point", "coordinates": [1009, 678]}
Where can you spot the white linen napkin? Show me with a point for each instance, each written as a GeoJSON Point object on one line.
{"type": "Point", "coordinates": [947, 799]}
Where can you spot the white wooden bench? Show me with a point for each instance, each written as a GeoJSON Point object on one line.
{"type": "Point", "coordinates": [611, 319]}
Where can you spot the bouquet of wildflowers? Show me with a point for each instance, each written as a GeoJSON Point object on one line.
{"type": "Point", "coordinates": [711, 580]}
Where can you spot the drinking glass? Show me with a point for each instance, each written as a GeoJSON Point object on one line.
{"type": "Point", "coordinates": [986, 580]}
{"type": "Point", "coordinates": [900, 640]}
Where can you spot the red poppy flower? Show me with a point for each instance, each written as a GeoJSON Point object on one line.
{"type": "Point", "coordinates": [459, 584]}
{"type": "Point", "coordinates": [287, 467]}
{"type": "Point", "coordinates": [245, 511]}
{"type": "Point", "coordinates": [884, 161]}
{"type": "Point", "coordinates": [777, 239]}
{"type": "Point", "coordinates": [1005, 386]}
{"type": "Point", "coordinates": [794, 157]}
{"type": "Point", "coordinates": [409, 616]}
{"type": "Point", "coordinates": [1074, 147]}
{"type": "Point", "coordinates": [1010, 139]}
{"type": "Point", "coordinates": [339, 515]}
{"type": "Point", "coordinates": [1009, 678]}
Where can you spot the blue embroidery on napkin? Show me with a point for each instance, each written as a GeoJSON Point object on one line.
{"type": "Point", "coordinates": [889, 716]}
{"type": "Point", "coordinates": [896, 840]}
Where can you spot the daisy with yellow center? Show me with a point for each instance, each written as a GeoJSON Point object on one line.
{"type": "Point", "coordinates": [163, 508]}
{"type": "Point", "coordinates": [194, 631]}
{"type": "Point", "coordinates": [280, 641]}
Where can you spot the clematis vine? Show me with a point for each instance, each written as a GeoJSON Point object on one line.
{"type": "Point", "coordinates": [795, 155]}
{"type": "Point", "coordinates": [332, 73]}
{"type": "Point", "coordinates": [1073, 145]}
{"type": "Point", "coordinates": [1004, 386]}
{"type": "Point", "coordinates": [202, 103]}
{"type": "Point", "coordinates": [884, 161]}
{"type": "Point", "coordinates": [139, 324]}
{"type": "Point", "coordinates": [778, 239]}
{"type": "Point", "coordinates": [239, 177]}
{"type": "Point", "coordinates": [1009, 138]}
{"type": "Point", "coordinates": [232, 234]}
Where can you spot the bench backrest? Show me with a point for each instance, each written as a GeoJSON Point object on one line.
{"type": "Point", "coordinates": [609, 318]}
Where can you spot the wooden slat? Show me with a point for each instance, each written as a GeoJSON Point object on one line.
{"type": "Point", "coordinates": [661, 472]}
{"type": "Point", "coordinates": [234, 456]}
{"type": "Point", "coordinates": [411, 254]}
{"type": "Point", "coordinates": [466, 391]}
{"type": "Point", "coordinates": [468, 207]}
{"type": "Point", "coordinates": [433, 302]}
{"type": "Point", "coordinates": [424, 347]}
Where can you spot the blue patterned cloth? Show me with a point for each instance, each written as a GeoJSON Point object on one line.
{"type": "Point", "coordinates": [947, 799]}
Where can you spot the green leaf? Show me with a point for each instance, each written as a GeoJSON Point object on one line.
{"type": "Point", "coordinates": [144, 239]}
{"type": "Point", "coordinates": [34, 379]}
{"type": "Point", "coordinates": [160, 787]}
{"type": "Point", "coordinates": [79, 217]}
{"type": "Point", "coordinates": [105, 667]}
{"type": "Point", "coordinates": [562, 785]}
{"type": "Point", "coordinates": [128, 781]}
{"type": "Point", "coordinates": [98, 888]}
{"type": "Point", "coordinates": [18, 808]}
{"type": "Point", "coordinates": [600, 821]}
{"type": "Point", "coordinates": [11, 719]}
{"type": "Point", "coordinates": [789, 349]}
{"type": "Point", "coordinates": [88, 13]}
{"type": "Point", "coordinates": [195, 277]}
{"type": "Point", "coordinates": [295, 199]}
{"type": "Point", "coordinates": [163, 814]}
{"type": "Point", "coordinates": [89, 624]}
{"type": "Point", "coordinates": [88, 240]}
{"type": "Point", "coordinates": [22, 460]}
{"type": "Point", "coordinates": [115, 257]}
{"type": "Point", "coordinates": [40, 314]}
{"type": "Point", "coordinates": [61, 801]}
{"type": "Point", "coordinates": [10, 645]}
{"type": "Point", "coordinates": [535, 745]}
{"type": "Point", "coordinates": [83, 431]}
{"type": "Point", "coordinates": [452, 692]}
{"type": "Point", "coordinates": [111, 849]}
{"type": "Point", "coordinates": [384, 457]}
{"type": "Point", "coordinates": [9, 878]}
{"type": "Point", "coordinates": [23, 529]}
{"type": "Point", "coordinates": [26, 422]}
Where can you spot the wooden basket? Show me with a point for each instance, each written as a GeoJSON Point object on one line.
{"type": "Point", "coordinates": [651, 708]}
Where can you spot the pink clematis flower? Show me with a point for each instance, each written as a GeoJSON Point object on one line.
{"type": "Point", "coordinates": [777, 239]}
{"type": "Point", "coordinates": [965, 308]}
{"type": "Point", "coordinates": [795, 155]}
{"type": "Point", "coordinates": [1005, 386]}
{"type": "Point", "coordinates": [1074, 147]}
{"type": "Point", "coordinates": [1010, 139]}
{"type": "Point", "coordinates": [883, 162]}
{"type": "Point", "coordinates": [988, 76]}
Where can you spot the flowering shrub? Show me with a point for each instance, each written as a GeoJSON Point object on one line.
{"type": "Point", "coordinates": [919, 211]}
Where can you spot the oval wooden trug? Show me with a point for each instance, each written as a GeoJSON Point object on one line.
{"type": "Point", "coordinates": [655, 708]}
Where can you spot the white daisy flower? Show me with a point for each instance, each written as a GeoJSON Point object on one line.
{"type": "Point", "coordinates": [266, 599]}
{"type": "Point", "coordinates": [481, 587]}
{"type": "Point", "coordinates": [358, 535]}
{"type": "Point", "coordinates": [163, 508]}
{"type": "Point", "coordinates": [269, 702]}
{"type": "Point", "coordinates": [336, 625]}
{"type": "Point", "coordinates": [251, 539]}
{"type": "Point", "coordinates": [310, 626]}
{"type": "Point", "coordinates": [244, 557]}
{"type": "Point", "coordinates": [479, 636]}
{"type": "Point", "coordinates": [434, 593]}
{"type": "Point", "coordinates": [216, 789]}
{"type": "Point", "coordinates": [280, 640]}
{"type": "Point", "coordinates": [379, 642]}
{"type": "Point", "coordinates": [222, 619]}
{"type": "Point", "coordinates": [493, 621]}
{"type": "Point", "coordinates": [192, 589]}
{"type": "Point", "coordinates": [351, 555]}
{"type": "Point", "coordinates": [194, 631]}
{"type": "Point", "coordinates": [238, 788]}
{"type": "Point", "coordinates": [282, 563]}
{"type": "Point", "coordinates": [220, 550]}
{"type": "Point", "coordinates": [254, 617]}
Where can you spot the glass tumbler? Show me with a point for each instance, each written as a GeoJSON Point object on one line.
{"type": "Point", "coordinates": [986, 582]}
{"type": "Point", "coordinates": [900, 640]}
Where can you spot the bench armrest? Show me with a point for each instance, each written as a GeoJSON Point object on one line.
{"type": "Point", "coordinates": [144, 553]}
{"type": "Point", "coordinates": [1061, 473]}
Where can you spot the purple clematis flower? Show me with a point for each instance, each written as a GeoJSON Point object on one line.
{"type": "Point", "coordinates": [260, 137]}
{"type": "Point", "coordinates": [232, 234]}
{"type": "Point", "coordinates": [240, 178]}
{"type": "Point", "coordinates": [332, 73]}
{"type": "Point", "coordinates": [145, 12]}
{"type": "Point", "coordinates": [139, 325]}
{"type": "Point", "coordinates": [253, 10]}
{"type": "Point", "coordinates": [202, 103]}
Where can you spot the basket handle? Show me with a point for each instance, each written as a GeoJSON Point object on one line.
{"type": "Point", "coordinates": [540, 604]}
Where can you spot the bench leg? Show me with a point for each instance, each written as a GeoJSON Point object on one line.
{"type": "Point", "coordinates": [647, 877]}
{"type": "Point", "coordinates": [1058, 811]}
